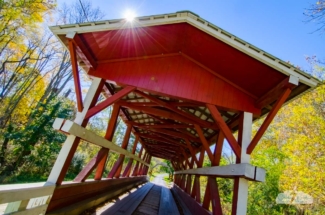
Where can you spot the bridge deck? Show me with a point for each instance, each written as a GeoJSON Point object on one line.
{"type": "Point", "coordinates": [150, 199]}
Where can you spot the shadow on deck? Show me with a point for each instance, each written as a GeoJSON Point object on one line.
{"type": "Point", "coordinates": [148, 199]}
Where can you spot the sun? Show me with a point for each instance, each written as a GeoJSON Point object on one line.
{"type": "Point", "coordinates": [129, 15]}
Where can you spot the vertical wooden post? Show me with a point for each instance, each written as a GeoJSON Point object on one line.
{"type": "Point", "coordinates": [147, 167]}
{"type": "Point", "coordinates": [240, 195]}
{"type": "Point", "coordinates": [127, 170]}
{"type": "Point", "coordinates": [75, 73]}
{"type": "Point", "coordinates": [136, 168]}
{"type": "Point", "coordinates": [70, 145]}
{"type": "Point", "coordinates": [141, 165]}
{"type": "Point", "coordinates": [196, 192]}
{"type": "Point", "coordinates": [116, 170]}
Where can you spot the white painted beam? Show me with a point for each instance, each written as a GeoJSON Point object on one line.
{"type": "Point", "coordinates": [76, 130]}
{"type": "Point", "coordinates": [17, 193]}
{"type": "Point", "coordinates": [243, 170]}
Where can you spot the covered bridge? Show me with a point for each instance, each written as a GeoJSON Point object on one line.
{"type": "Point", "coordinates": [181, 85]}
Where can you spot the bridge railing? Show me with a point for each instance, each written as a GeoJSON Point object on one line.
{"type": "Point", "coordinates": [25, 199]}
{"type": "Point", "coordinates": [187, 184]}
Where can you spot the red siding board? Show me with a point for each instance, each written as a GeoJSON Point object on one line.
{"type": "Point", "coordinates": [170, 80]}
{"type": "Point", "coordinates": [234, 65]}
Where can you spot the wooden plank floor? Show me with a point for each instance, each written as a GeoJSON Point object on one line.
{"type": "Point", "coordinates": [150, 199]}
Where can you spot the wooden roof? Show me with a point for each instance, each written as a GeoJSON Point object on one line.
{"type": "Point", "coordinates": [179, 62]}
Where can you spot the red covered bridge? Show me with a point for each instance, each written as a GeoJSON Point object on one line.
{"type": "Point", "coordinates": [182, 85]}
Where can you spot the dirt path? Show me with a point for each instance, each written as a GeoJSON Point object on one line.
{"type": "Point", "coordinates": [159, 179]}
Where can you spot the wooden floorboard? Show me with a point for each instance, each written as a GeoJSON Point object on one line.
{"type": "Point", "coordinates": [184, 208]}
{"type": "Point", "coordinates": [148, 200]}
{"type": "Point", "coordinates": [150, 205]}
{"type": "Point", "coordinates": [167, 204]}
{"type": "Point", "coordinates": [130, 203]}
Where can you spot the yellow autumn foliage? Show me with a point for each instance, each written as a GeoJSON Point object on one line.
{"type": "Point", "coordinates": [304, 128]}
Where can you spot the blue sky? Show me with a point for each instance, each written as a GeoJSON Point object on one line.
{"type": "Point", "coordinates": [277, 27]}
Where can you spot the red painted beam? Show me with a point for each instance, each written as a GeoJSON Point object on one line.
{"type": "Point", "coordinates": [204, 142]}
{"type": "Point", "coordinates": [215, 197]}
{"type": "Point", "coordinates": [225, 129]}
{"type": "Point", "coordinates": [195, 119]}
{"type": "Point", "coordinates": [161, 149]}
{"type": "Point", "coordinates": [165, 146]}
{"type": "Point", "coordinates": [115, 171]}
{"type": "Point", "coordinates": [87, 170]}
{"type": "Point", "coordinates": [84, 50]}
{"type": "Point", "coordinates": [189, 146]}
{"type": "Point", "coordinates": [166, 125]}
{"type": "Point", "coordinates": [109, 136]}
{"type": "Point", "coordinates": [268, 120]}
{"type": "Point", "coordinates": [273, 94]}
{"type": "Point", "coordinates": [99, 160]}
{"type": "Point", "coordinates": [136, 168]}
{"type": "Point", "coordinates": [158, 112]}
{"type": "Point", "coordinates": [109, 101]}
{"type": "Point", "coordinates": [186, 158]}
{"type": "Point", "coordinates": [157, 148]}
{"type": "Point", "coordinates": [176, 134]}
{"type": "Point", "coordinates": [167, 140]}
{"type": "Point", "coordinates": [75, 73]}
{"type": "Point", "coordinates": [127, 170]}
{"type": "Point", "coordinates": [218, 149]}
{"type": "Point", "coordinates": [207, 196]}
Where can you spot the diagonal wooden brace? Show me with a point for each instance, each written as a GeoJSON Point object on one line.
{"type": "Point", "coordinates": [225, 129]}
{"type": "Point", "coordinates": [268, 120]}
{"type": "Point", "coordinates": [109, 101]}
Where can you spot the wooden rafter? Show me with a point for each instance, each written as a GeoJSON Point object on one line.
{"type": "Point", "coordinates": [175, 134]}
{"type": "Point", "coordinates": [159, 112]}
{"type": "Point", "coordinates": [165, 125]}
{"type": "Point", "coordinates": [153, 104]}
{"type": "Point", "coordinates": [290, 82]}
{"type": "Point", "coordinates": [75, 38]}
{"type": "Point", "coordinates": [194, 119]}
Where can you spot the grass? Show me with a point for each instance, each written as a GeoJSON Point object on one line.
{"type": "Point", "coordinates": [167, 179]}
{"type": "Point", "coordinates": [152, 176]}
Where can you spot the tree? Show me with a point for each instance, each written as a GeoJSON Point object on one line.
{"type": "Point", "coordinates": [35, 74]}
{"type": "Point", "coordinates": [292, 152]}
{"type": "Point", "coordinates": [79, 12]}
{"type": "Point", "coordinates": [305, 147]}
{"type": "Point", "coordinates": [168, 168]}
{"type": "Point", "coordinates": [317, 13]}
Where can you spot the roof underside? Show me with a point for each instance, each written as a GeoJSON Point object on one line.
{"type": "Point", "coordinates": [118, 46]}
